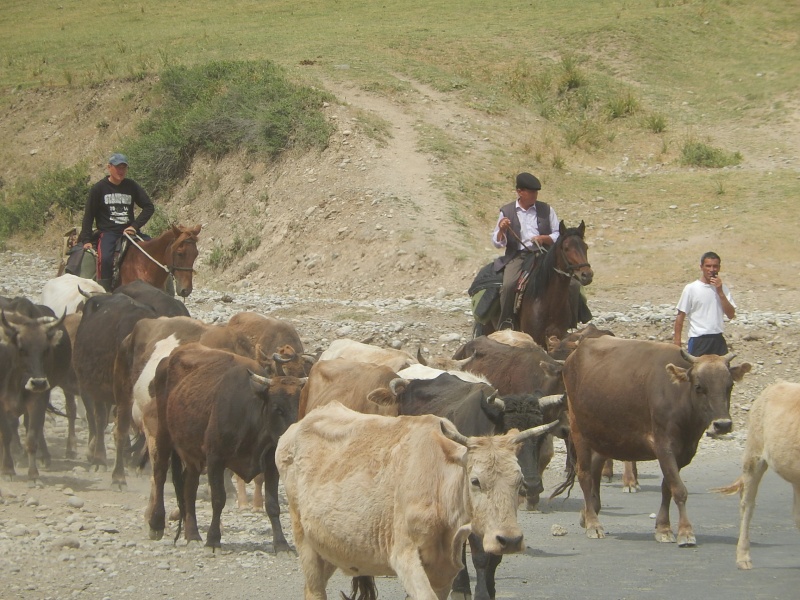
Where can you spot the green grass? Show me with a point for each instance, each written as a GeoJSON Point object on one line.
{"type": "Point", "coordinates": [700, 154]}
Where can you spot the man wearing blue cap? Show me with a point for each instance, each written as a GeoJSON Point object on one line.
{"type": "Point", "coordinates": [524, 226]}
{"type": "Point", "coordinates": [110, 206]}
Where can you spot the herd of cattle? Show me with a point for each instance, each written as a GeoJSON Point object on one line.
{"type": "Point", "coordinates": [389, 465]}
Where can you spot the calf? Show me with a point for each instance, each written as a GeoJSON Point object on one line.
{"type": "Point", "coordinates": [374, 495]}
{"type": "Point", "coordinates": [773, 440]}
{"type": "Point", "coordinates": [216, 411]}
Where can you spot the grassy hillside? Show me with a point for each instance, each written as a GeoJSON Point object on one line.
{"type": "Point", "coordinates": [618, 106]}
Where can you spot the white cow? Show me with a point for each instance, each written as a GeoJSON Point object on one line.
{"type": "Point", "coordinates": [360, 352]}
{"type": "Point", "coordinates": [374, 495]}
{"type": "Point", "coordinates": [773, 440]}
{"type": "Point", "coordinates": [64, 293]}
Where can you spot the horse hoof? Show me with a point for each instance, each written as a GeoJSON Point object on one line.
{"type": "Point", "coordinates": [665, 537]}
{"type": "Point", "coordinates": [156, 534]}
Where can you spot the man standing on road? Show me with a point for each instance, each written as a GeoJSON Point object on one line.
{"type": "Point", "coordinates": [523, 227]}
{"type": "Point", "coordinates": [110, 205]}
{"type": "Point", "coordinates": [705, 301]}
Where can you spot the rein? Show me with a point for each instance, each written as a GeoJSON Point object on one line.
{"type": "Point", "coordinates": [168, 269]}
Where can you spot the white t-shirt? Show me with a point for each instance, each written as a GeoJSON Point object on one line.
{"type": "Point", "coordinates": [703, 309]}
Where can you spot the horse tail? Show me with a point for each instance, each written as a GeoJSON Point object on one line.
{"type": "Point", "coordinates": [364, 586]}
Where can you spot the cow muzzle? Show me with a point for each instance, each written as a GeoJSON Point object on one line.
{"type": "Point", "coordinates": [37, 384]}
{"type": "Point", "coordinates": [720, 427]}
{"type": "Point", "coordinates": [507, 543]}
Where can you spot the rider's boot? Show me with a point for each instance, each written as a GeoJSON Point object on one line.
{"type": "Point", "coordinates": [506, 320]}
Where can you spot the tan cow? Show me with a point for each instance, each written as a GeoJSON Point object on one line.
{"type": "Point", "coordinates": [374, 495]}
{"type": "Point", "coordinates": [773, 440]}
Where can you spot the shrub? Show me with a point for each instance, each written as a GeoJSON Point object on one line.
{"type": "Point", "coordinates": [700, 154]}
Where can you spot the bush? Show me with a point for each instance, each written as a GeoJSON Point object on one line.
{"type": "Point", "coordinates": [699, 154]}
{"type": "Point", "coordinates": [222, 107]}
{"type": "Point", "coordinates": [31, 203]}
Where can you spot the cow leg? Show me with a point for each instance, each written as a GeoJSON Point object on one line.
{"type": "Point", "coordinates": [160, 449]}
{"type": "Point", "coordinates": [72, 415]}
{"type": "Point", "coordinates": [191, 481]}
{"type": "Point", "coordinates": [485, 568]}
{"type": "Point", "coordinates": [461, 589]}
{"type": "Point", "coordinates": [35, 407]}
{"type": "Point", "coordinates": [491, 569]}
{"type": "Point", "coordinates": [98, 455]}
{"type": "Point", "coordinates": [630, 477]}
{"type": "Point", "coordinates": [272, 503]}
{"type": "Point", "coordinates": [405, 561]}
{"type": "Point", "coordinates": [258, 492]}
{"type": "Point", "coordinates": [751, 478]}
{"type": "Point", "coordinates": [316, 570]}
{"type": "Point", "coordinates": [591, 492]}
{"type": "Point", "coordinates": [43, 452]}
{"type": "Point", "coordinates": [123, 426]}
{"type": "Point", "coordinates": [7, 424]}
{"type": "Point", "coordinates": [608, 470]}
{"type": "Point", "coordinates": [241, 494]}
{"type": "Point", "coordinates": [216, 481]}
{"type": "Point", "coordinates": [663, 527]}
{"type": "Point", "coordinates": [88, 407]}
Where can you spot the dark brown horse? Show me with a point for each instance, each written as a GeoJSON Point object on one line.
{"type": "Point", "coordinates": [171, 253]}
{"type": "Point", "coordinates": [545, 310]}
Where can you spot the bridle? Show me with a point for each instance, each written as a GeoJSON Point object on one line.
{"type": "Point", "coordinates": [571, 268]}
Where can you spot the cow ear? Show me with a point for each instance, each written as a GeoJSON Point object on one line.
{"type": "Point", "coordinates": [738, 372]}
{"type": "Point", "coordinates": [551, 369]}
{"type": "Point", "coordinates": [54, 335]}
{"type": "Point", "coordinates": [677, 374]}
{"type": "Point", "coordinates": [382, 397]}
{"type": "Point", "coordinates": [552, 343]}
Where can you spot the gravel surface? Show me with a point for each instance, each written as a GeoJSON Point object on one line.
{"type": "Point", "coordinates": [75, 537]}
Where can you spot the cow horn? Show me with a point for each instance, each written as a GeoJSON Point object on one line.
{"type": "Point", "coordinates": [498, 402]}
{"type": "Point", "coordinates": [729, 357]}
{"type": "Point", "coordinates": [450, 432]}
{"type": "Point", "coordinates": [688, 357]}
{"type": "Point", "coordinates": [13, 331]}
{"type": "Point", "coordinates": [554, 400]}
{"type": "Point", "coordinates": [535, 432]}
{"type": "Point", "coordinates": [398, 381]}
{"type": "Point", "coordinates": [279, 359]}
{"type": "Point", "coordinates": [460, 363]}
{"type": "Point", "coordinates": [420, 359]}
{"type": "Point", "coordinates": [260, 379]}
{"type": "Point", "coordinates": [53, 323]}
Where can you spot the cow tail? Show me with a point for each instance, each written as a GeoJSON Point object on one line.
{"type": "Point", "coordinates": [364, 587]}
{"type": "Point", "coordinates": [569, 482]}
{"type": "Point", "coordinates": [734, 488]}
{"type": "Point", "coordinates": [178, 482]}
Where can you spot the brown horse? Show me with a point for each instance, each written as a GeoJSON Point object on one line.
{"type": "Point", "coordinates": [171, 253]}
{"type": "Point", "coordinates": [545, 310]}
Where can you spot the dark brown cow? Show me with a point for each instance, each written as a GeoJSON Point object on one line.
{"type": "Point", "coordinates": [216, 411]}
{"type": "Point", "coordinates": [642, 400]}
{"type": "Point", "coordinates": [106, 322]}
{"type": "Point", "coordinates": [28, 348]}
{"type": "Point", "coordinates": [363, 387]}
{"type": "Point", "coordinates": [521, 370]}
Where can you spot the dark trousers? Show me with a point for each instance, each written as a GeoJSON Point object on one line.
{"type": "Point", "coordinates": [712, 343]}
{"type": "Point", "coordinates": [105, 254]}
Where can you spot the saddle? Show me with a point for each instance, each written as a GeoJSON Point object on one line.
{"type": "Point", "coordinates": [485, 289]}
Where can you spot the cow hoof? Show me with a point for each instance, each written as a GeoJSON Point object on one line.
{"type": "Point", "coordinates": [595, 533]}
{"type": "Point", "coordinates": [744, 565]}
{"type": "Point", "coordinates": [629, 489]}
{"type": "Point", "coordinates": [156, 534]}
{"type": "Point", "coordinates": [460, 595]}
{"type": "Point", "coordinates": [71, 454]}
{"type": "Point", "coordinates": [210, 550]}
{"type": "Point", "coordinates": [120, 486]}
{"type": "Point", "coordinates": [665, 537]}
{"type": "Point", "coordinates": [687, 541]}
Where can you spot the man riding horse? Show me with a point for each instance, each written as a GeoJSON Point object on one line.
{"type": "Point", "coordinates": [110, 204]}
{"type": "Point", "coordinates": [527, 227]}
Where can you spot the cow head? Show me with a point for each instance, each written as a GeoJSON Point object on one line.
{"type": "Point", "coordinates": [33, 342]}
{"type": "Point", "coordinates": [710, 380]}
{"type": "Point", "coordinates": [281, 397]}
{"type": "Point", "coordinates": [494, 479]}
{"type": "Point", "coordinates": [386, 398]}
{"type": "Point", "coordinates": [288, 362]}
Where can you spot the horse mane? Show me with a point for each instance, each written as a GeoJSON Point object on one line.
{"type": "Point", "coordinates": [545, 268]}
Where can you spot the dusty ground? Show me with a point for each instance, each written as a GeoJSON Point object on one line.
{"type": "Point", "coordinates": [361, 240]}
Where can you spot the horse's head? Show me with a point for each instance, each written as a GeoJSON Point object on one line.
{"type": "Point", "coordinates": [573, 253]}
{"type": "Point", "coordinates": [180, 257]}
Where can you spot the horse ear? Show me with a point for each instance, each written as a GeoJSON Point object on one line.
{"type": "Point", "coordinates": [175, 230]}
{"type": "Point", "coordinates": [582, 228]}
{"type": "Point", "coordinates": [196, 229]}
{"type": "Point", "coordinates": [562, 229]}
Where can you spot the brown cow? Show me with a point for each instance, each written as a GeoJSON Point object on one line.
{"type": "Point", "coordinates": [773, 440]}
{"type": "Point", "coordinates": [364, 387]}
{"type": "Point", "coordinates": [347, 349]}
{"type": "Point", "coordinates": [642, 400]}
{"type": "Point", "coordinates": [374, 495]}
{"type": "Point", "coordinates": [216, 411]}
